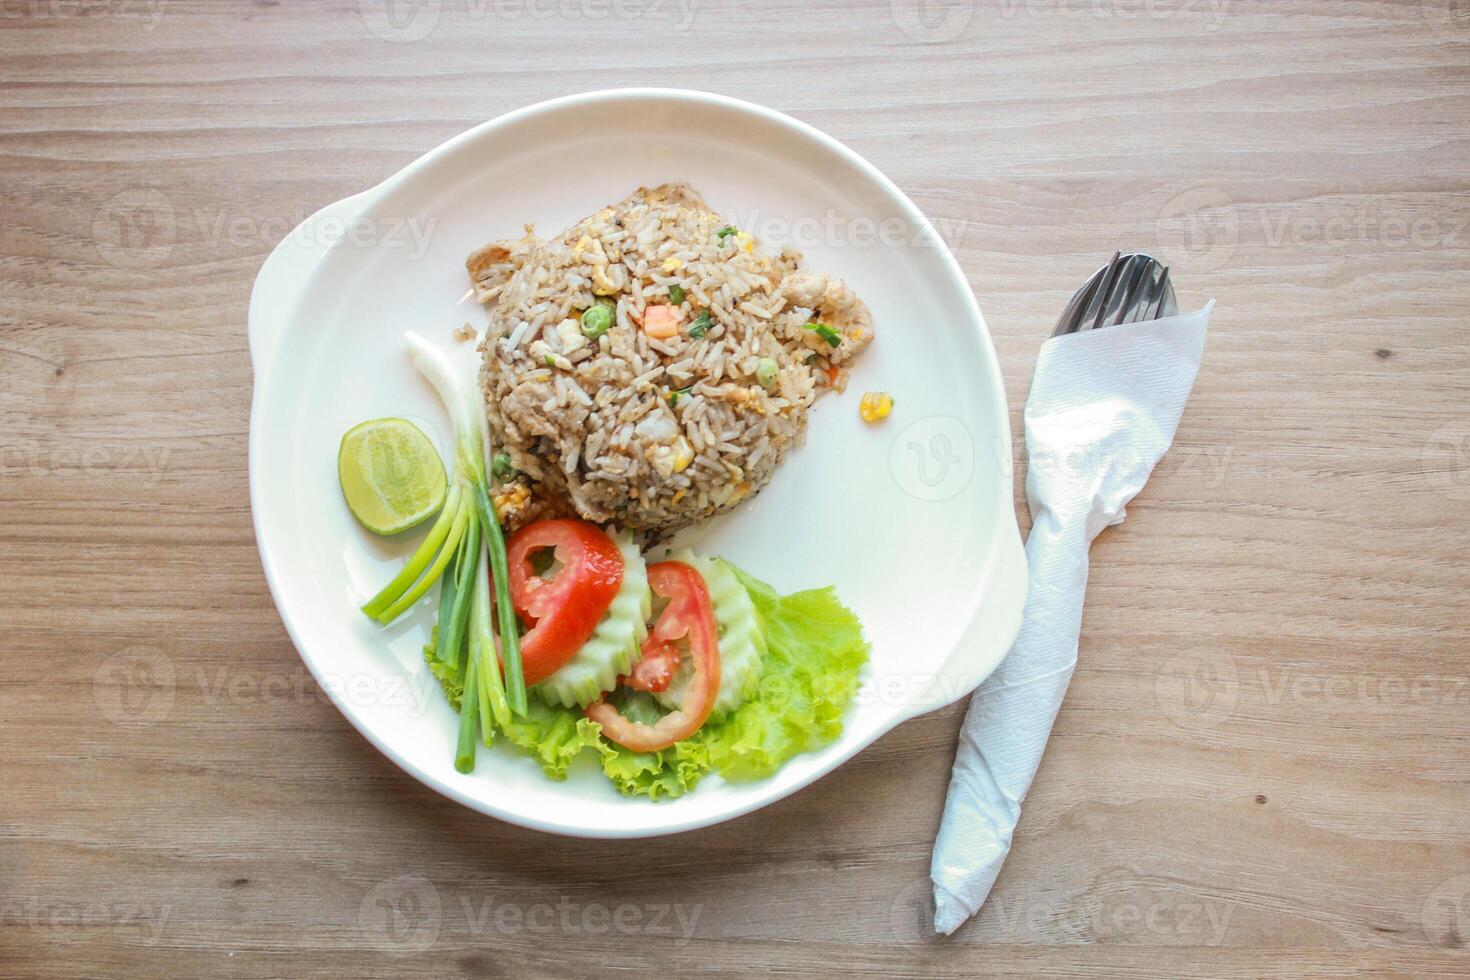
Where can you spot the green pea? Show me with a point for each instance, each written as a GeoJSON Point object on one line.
{"type": "Point", "coordinates": [596, 320]}
{"type": "Point", "coordinates": [501, 468]}
{"type": "Point", "coordinates": [765, 372]}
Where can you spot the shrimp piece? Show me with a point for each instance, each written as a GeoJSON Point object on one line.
{"type": "Point", "coordinates": [491, 267]}
{"type": "Point", "coordinates": [680, 194]}
{"type": "Point", "coordinates": [835, 305]}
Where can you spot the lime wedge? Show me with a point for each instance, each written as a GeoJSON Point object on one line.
{"type": "Point", "coordinates": [391, 475]}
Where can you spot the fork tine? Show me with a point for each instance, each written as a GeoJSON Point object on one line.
{"type": "Point", "coordinates": [1117, 305]}
{"type": "Point", "coordinates": [1145, 269]}
{"type": "Point", "coordinates": [1163, 294]}
{"type": "Point", "coordinates": [1101, 297]}
{"type": "Point", "coordinates": [1110, 300]}
{"type": "Point", "coordinates": [1147, 294]}
{"type": "Point", "coordinates": [1067, 323]}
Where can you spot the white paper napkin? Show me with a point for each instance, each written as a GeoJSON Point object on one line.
{"type": "Point", "coordinates": [1103, 408]}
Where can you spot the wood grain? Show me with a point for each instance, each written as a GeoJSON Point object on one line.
{"type": "Point", "coordinates": [1263, 767]}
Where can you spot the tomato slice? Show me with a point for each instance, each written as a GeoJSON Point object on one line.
{"type": "Point", "coordinates": [655, 668]}
{"type": "Point", "coordinates": [688, 614]}
{"type": "Point", "coordinates": [561, 610]}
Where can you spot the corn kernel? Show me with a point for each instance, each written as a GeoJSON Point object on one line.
{"type": "Point", "coordinates": [511, 499]}
{"type": "Point", "coordinates": [683, 455]}
{"type": "Point", "coordinates": [875, 405]}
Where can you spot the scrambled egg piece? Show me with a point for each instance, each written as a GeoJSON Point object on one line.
{"type": "Point", "coordinates": [570, 332]}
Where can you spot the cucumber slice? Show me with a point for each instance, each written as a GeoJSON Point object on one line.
{"type": "Point", "coordinates": [741, 638]}
{"type": "Point", "coordinates": [613, 646]}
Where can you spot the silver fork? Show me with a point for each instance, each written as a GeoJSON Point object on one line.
{"type": "Point", "coordinates": [1129, 289]}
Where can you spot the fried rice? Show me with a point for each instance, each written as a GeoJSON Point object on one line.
{"type": "Point", "coordinates": [701, 384]}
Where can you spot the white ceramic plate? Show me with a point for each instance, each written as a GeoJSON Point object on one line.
{"type": "Point", "coordinates": [911, 520]}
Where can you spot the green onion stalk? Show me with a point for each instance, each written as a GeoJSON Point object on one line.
{"type": "Point", "coordinates": [464, 551]}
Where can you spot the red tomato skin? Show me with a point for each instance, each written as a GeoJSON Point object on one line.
{"type": "Point", "coordinates": [689, 613]}
{"type": "Point", "coordinates": [561, 611]}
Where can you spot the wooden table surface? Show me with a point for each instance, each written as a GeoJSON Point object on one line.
{"type": "Point", "coordinates": [1263, 766]}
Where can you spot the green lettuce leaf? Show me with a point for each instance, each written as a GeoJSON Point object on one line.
{"type": "Point", "coordinates": [816, 653]}
{"type": "Point", "coordinates": [450, 679]}
{"type": "Point", "coordinates": [553, 735]}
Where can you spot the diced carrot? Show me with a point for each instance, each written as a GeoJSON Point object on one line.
{"type": "Point", "coordinates": [662, 322]}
